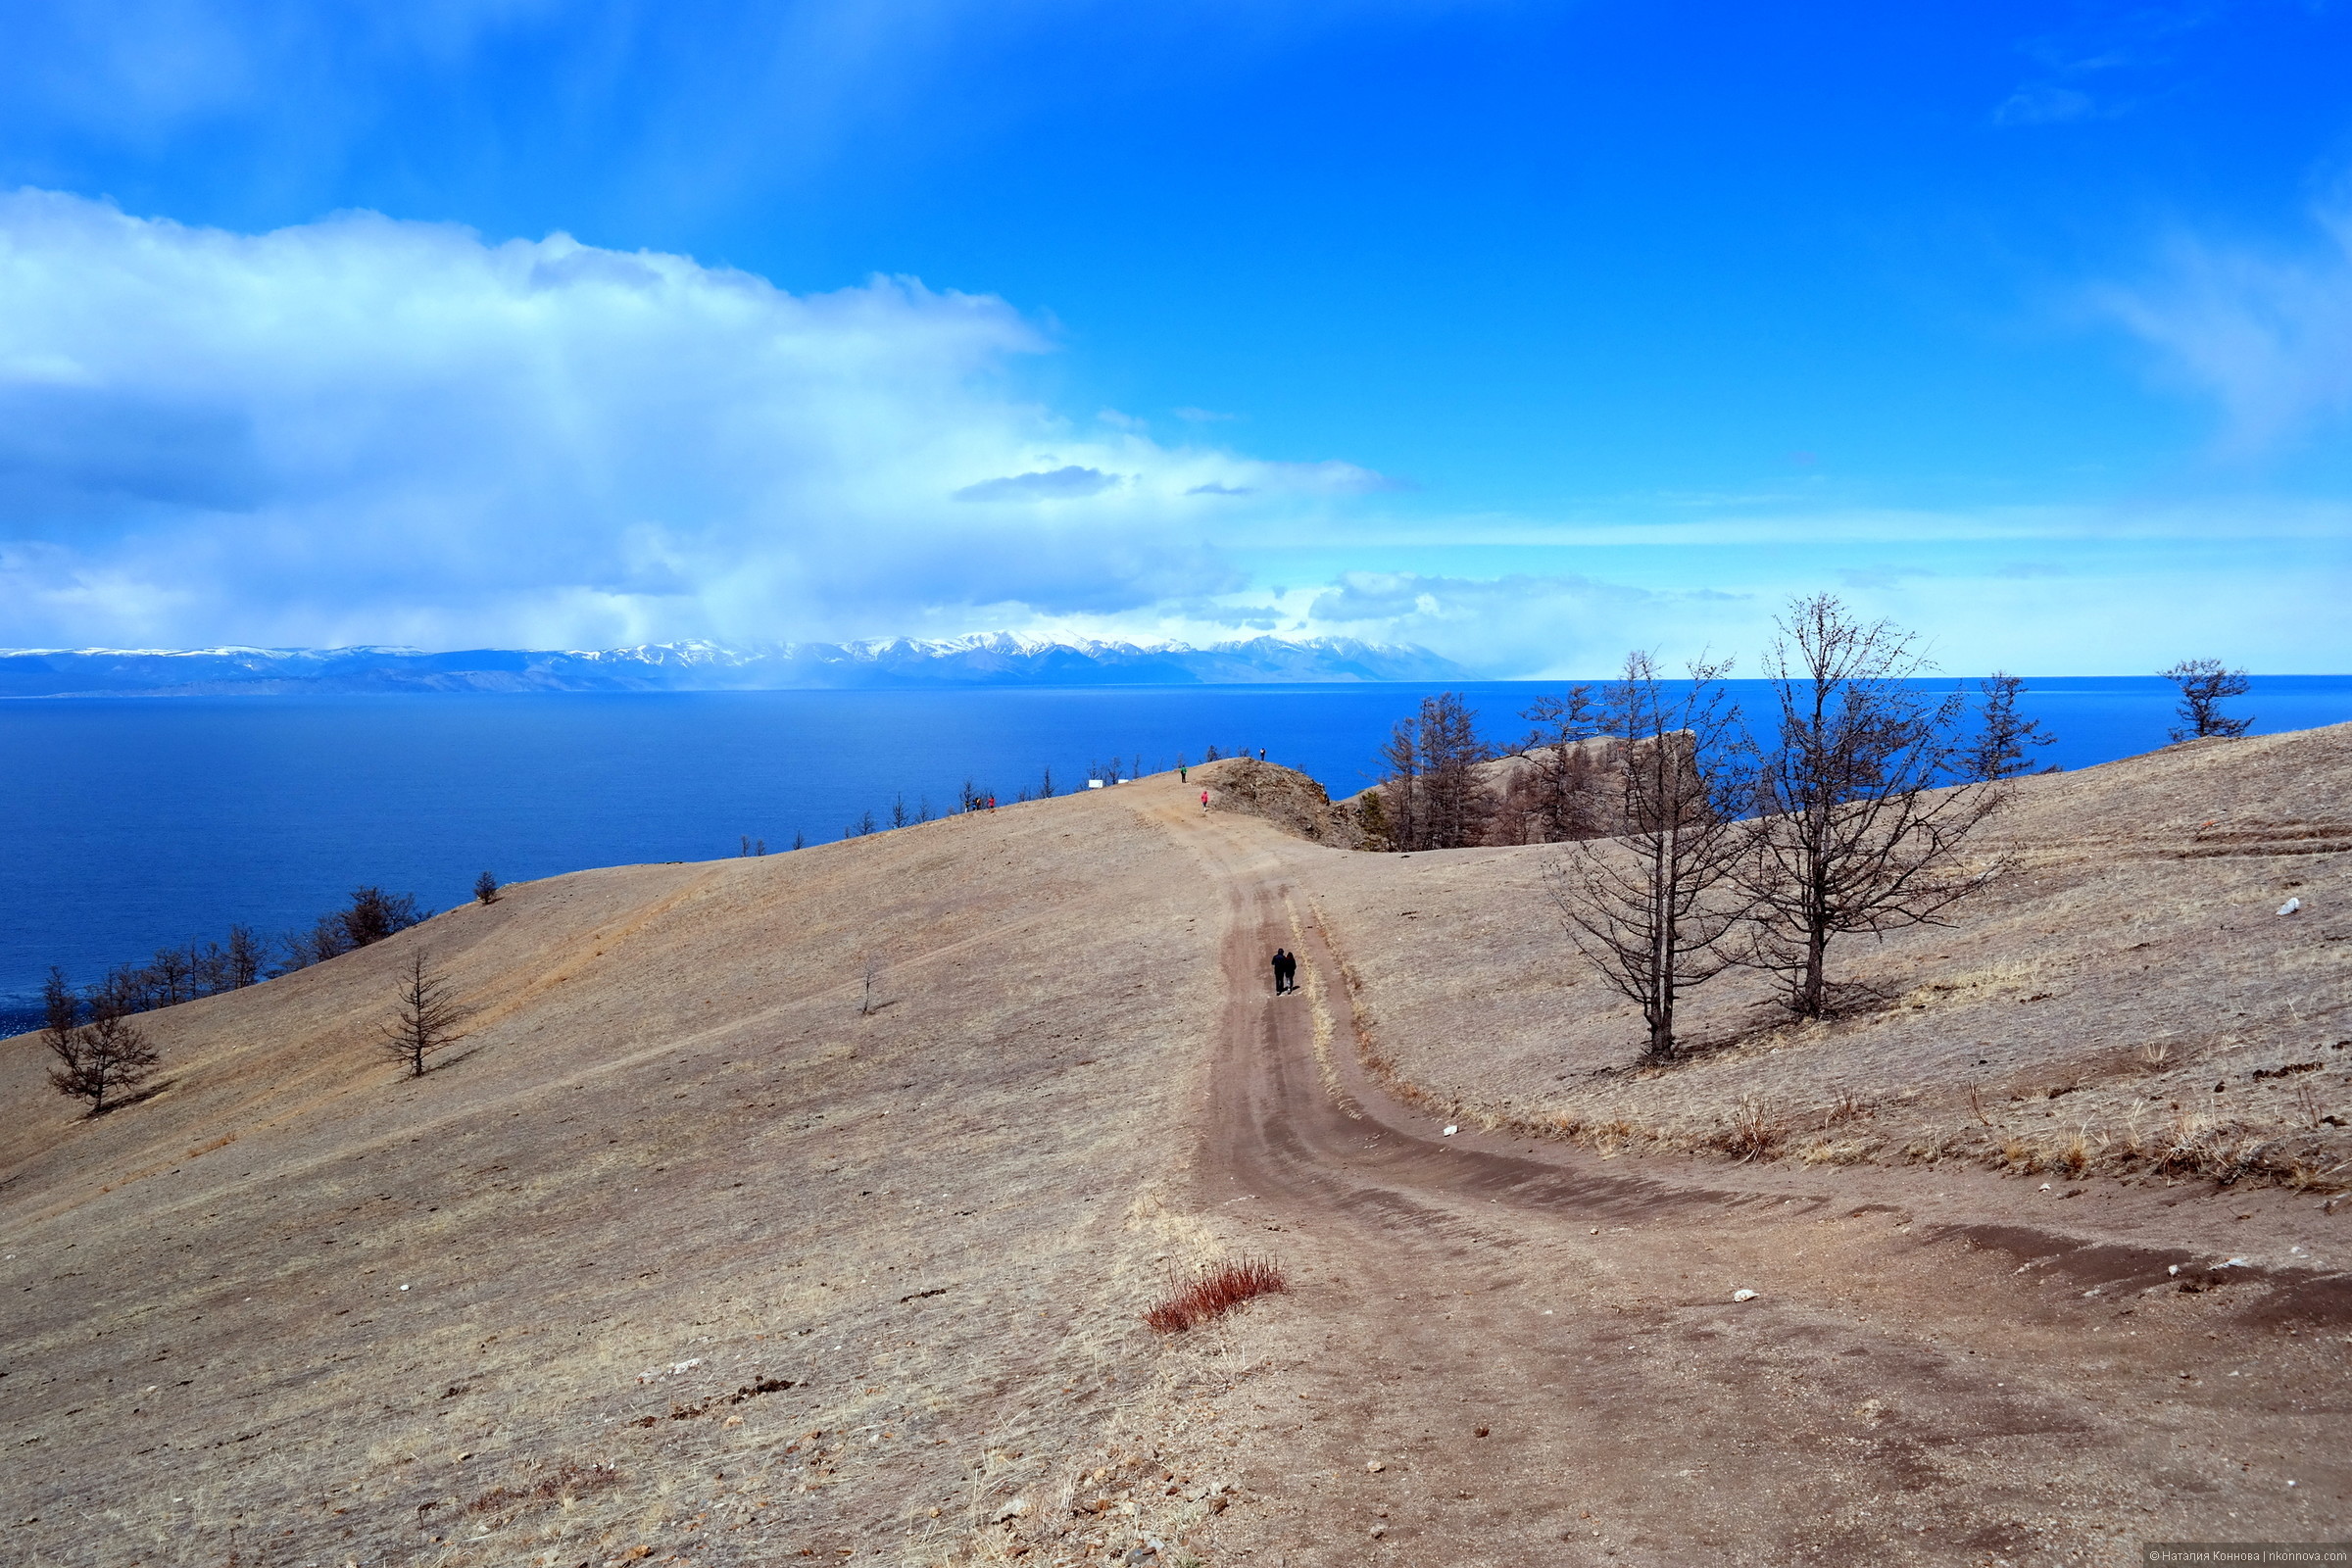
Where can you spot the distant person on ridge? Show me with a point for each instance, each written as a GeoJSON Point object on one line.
{"type": "Point", "coordinates": [1261, 754]}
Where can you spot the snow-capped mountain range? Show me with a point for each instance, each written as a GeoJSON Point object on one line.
{"type": "Point", "coordinates": [992, 658]}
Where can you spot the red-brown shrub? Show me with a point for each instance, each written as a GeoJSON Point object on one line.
{"type": "Point", "coordinates": [1218, 1288]}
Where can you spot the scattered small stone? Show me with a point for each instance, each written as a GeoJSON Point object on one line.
{"type": "Point", "coordinates": [1449, 1132]}
{"type": "Point", "coordinates": [1480, 1432]}
{"type": "Point", "coordinates": [1374, 1465]}
{"type": "Point", "coordinates": [1379, 1531]}
{"type": "Point", "coordinates": [1743, 1296]}
{"type": "Point", "coordinates": [2290, 906]}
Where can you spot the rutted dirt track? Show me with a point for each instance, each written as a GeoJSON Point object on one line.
{"type": "Point", "coordinates": [1540, 1348]}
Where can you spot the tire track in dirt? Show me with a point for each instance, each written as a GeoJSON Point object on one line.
{"type": "Point", "coordinates": [1539, 1350]}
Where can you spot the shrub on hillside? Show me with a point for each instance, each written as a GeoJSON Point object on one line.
{"type": "Point", "coordinates": [100, 1059]}
{"type": "Point", "coordinates": [1218, 1288]}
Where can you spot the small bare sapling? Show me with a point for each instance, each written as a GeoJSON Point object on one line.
{"type": "Point", "coordinates": [425, 1018]}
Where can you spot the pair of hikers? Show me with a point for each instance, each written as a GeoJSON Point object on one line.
{"type": "Point", "coordinates": [1286, 971]}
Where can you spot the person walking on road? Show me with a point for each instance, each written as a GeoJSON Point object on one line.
{"type": "Point", "coordinates": [1282, 971]}
{"type": "Point", "coordinates": [1205, 799]}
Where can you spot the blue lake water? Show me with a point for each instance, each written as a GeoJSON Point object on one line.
{"type": "Point", "coordinates": [133, 822]}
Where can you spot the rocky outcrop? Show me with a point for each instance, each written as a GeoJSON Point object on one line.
{"type": "Point", "coordinates": [1293, 803]}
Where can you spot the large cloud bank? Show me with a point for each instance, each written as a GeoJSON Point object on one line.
{"type": "Point", "coordinates": [369, 430]}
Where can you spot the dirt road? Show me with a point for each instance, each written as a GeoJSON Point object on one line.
{"type": "Point", "coordinates": [1541, 1352]}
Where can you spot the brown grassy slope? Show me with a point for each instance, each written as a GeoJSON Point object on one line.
{"type": "Point", "coordinates": [2126, 962]}
{"type": "Point", "coordinates": [672, 1162]}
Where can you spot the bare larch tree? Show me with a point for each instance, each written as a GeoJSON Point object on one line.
{"type": "Point", "coordinates": [99, 1060]}
{"type": "Point", "coordinates": [2204, 686]}
{"type": "Point", "coordinates": [1852, 832]}
{"type": "Point", "coordinates": [1436, 800]}
{"type": "Point", "coordinates": [425, 1018]}
{"type": "Point", "coordinates": [1560, 793]}
{"type": "Point", "coordinates": [2002, 746]}
{"type": "Point", "coordinates": [1453, 800]}
{"type": "Point", "coordinates": [1653, 910]}
{"type": "Point", "coordinates": [1399, 798]}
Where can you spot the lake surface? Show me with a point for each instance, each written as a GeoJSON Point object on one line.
{"type": "Point", "coordinates": [135, 822]}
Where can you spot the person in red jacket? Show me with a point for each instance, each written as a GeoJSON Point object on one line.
{"type": "Point", "coordinates": [1205, 799]}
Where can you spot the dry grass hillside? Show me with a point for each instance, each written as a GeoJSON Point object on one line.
{"type": "Point", "coordinates": [2121, 999]}
{"type": "Point", "coordinates": [689, 1257]}
{"type": "Point", "coordinates": [680, 1250]}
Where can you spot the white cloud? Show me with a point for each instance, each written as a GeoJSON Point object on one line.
{"type": "Point", "coordinates": [365, 430]}
{"type": "Point", "coordinates": [2043, 103]}
{"type": "Point", "coordinates": [361, 430]}
{"type": "Point", "coordinates": [2267, 337]}
{"type": "Point", "coordinates": [1517, 623]}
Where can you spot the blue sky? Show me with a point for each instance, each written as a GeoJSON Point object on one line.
{"type": "Point", "coordinates": [1528, 333]}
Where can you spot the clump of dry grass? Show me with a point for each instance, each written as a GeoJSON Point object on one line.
{"type": "Point", "coordinates": [570, 1480]}
{"type": "Point", "coordinates": [1750, 1134]}
{"type": "Point", "coordinates": [2075, 1150]}
{"type": "Point", "coordinates": [1220, 1288]}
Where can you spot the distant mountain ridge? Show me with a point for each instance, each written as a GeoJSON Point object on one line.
{"type": "Point", "coordinates": [990, 659]}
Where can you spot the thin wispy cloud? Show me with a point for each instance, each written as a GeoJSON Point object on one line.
{"type": "Point", "coordinates": [2266, 334]}
{"type": "Point", "coordinates": [2044, 103]}
{"type": "Point", "coordinates": [1070, 482]}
